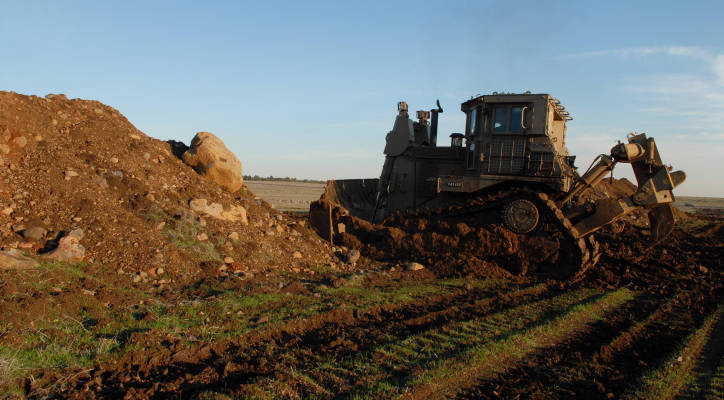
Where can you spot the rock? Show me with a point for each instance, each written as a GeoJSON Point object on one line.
{"type": "Point", "coordinates": [69, 249]}
{"type": "Point", "coordinates": [8, 210]}
{"type": "Point", "coordinates": [35, 233]}
{"type": "Point", "coordinates": [136, 278]}
{"type": "Point", "coordinates": [15, 259]}
{"type": "Point", "coordinates": [100, 181]}
{"type": "Point", "coordinates": [114, 160]}
{"type": "Point", "coordinates": [234, 236]}
{"type": "Point", "coordinates": [77, 233]}
{"type": "Point", "coordinates": [414, 266]}
{"type": "Point", "coordinates": [20, 141]}
{"type": "Point", "coordinates": [202, 236]}
{"type": "Point", "coordinates": [296, 254]}
{"type": "Point", "coordinates": [235, 213]}
{"type": "Point", "coordinates": [352, 256]}
{"type": "Point", "coordinates": [228, 260]}
{"type": "Point", "coordinates": [210, 158]}
{"type": "Point", "coordinates": [703, 269]}
{"type": "Point", "coordinates": [70, 173]}
{"type": "Point", "coordinates": [160, 225]}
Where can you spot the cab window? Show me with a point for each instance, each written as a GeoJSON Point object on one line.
{"type": "Point", "coordinates": [472, 121]}
{"type": "Point", "coordinates": [500, 124]}
{"type": "Point", "coordinates": [516, 115]}
{"type": "Point", "coordinates": [509, 119]}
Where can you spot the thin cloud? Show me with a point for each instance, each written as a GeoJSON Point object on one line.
{"type": "Point", "coordinates": [683, 51]}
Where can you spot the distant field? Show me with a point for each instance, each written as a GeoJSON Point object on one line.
{"type": "Point", "coordinates": [285, 195]}
{"type": "Point", "coordinates": [296, 196]}
{"type": "Point", "coordinates": [692, 204]}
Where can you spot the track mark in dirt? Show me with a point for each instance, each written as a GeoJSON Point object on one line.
{"type": "Point", "coordinates": [593, 364]}
{"type": "Point", "coordinates": [385, 370]}
{"type": "Point", "coordinates": [672, 378]}
{"type": "Point", "coordinates": [226, 365]}
{"type": "Point", "coordinates": [708, 382]}
{"type": "Point", "coordinates": [487, 359]}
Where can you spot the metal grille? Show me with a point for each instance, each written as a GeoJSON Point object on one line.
{"type": "Point", "coordinates": [505, 155]}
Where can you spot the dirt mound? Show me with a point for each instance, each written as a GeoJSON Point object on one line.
{"type": "Point", "coordinates": [80, 164]}
{"type": "Point", "coordinates": [77, 173]}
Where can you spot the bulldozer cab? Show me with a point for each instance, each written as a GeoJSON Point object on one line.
{"type": "Point", "coordinates": [501, 128]}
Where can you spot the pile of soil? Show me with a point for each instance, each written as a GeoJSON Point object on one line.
{"type": "Point", "coordinates": [79, 165]}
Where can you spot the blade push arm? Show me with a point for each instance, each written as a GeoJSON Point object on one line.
{"type": "Point", "coordinates": [654, 191]}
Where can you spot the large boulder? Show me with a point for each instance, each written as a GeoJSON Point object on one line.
{"type": "Point", "coordinates": [209, 157]}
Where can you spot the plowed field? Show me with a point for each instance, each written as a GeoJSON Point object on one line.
{"type": "Point", "coordinates": [640, 326]}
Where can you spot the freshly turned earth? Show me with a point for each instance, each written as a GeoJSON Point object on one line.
{"type": "Point", "coordinates": [195, 301]}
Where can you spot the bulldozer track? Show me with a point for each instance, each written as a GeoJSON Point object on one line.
{"type": "Point", "coordinates": [587, 249]}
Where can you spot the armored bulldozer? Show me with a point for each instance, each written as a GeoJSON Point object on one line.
{"type": "Point", "coordinates": [510, 168]}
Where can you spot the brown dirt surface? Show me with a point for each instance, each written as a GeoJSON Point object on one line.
{"type": "Point", "coordinates": [287, 318]}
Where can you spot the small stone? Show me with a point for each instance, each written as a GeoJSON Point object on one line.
{"type": "Point", "coordinates": [35, 233]}
{"type": "Point", "coordinates": [70, 173]}
{"type": "Point", "coordinates": [15, 259]}
{"type": "Point", "coordinates": [146, 156]}
{"type": "Point", "coordinates": [228, 260]}
{"type": "Point", "coordinates": [20, 141]}
{"type": "Point", "coordinates": [77, 233]}
{"type": "Point", "coordinates": [100, 181]}
{"type": "Point", "coordinates": [150, 197]}
{"type": "Point", "coordinates": [77, 219]}
{"type": "Point", "coordinates": [160, 225]}
{"type": "Point", "coordinates": [136, 278]}
{"type": "Point", "coordinates": [114, 160]}
{"type": "Point", "coordinates": [135, 137]}
{"type": "Point", "coordinates": [8, 210]}
{"type": "Point", "coordinates": [202, 237]}
{"type": "Point", "coordinates": [69, 249]}
{"type": "Point", "coordinates": [234, 236]}
{"type": "Point", "coordinates": [160, 271]}
{"type": "Point", "coordinates": [703, 269]}
{"type": "Point", "coordinates": [352, 256]}
{"type": "Point", "coordinates": [143, 274]}
{"type": "Point", "coordinates": [296, 254]}
{"type": "Point", "coordinates": [414, 266]}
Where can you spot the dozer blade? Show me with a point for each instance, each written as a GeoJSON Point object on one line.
{"type": "Point", "coordinates": [661, 220]}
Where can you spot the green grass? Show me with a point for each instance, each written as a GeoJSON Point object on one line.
{"type": "Point", "coordinates": [183, 232]}
{"type": "Point", "coordinates": [677, 372]}
{"type": "Point", "coordinates": [388, 370]}
{"type": "Point", "coordinates": [59, 343]}
{"type": "Point", "coordinates": [445, 376]}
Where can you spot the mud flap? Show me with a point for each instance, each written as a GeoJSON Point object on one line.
{"type": "Point", "coordinates": [661, 220]}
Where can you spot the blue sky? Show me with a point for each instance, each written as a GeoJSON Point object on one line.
{"type": "Point", "coordinates": [309, 89]}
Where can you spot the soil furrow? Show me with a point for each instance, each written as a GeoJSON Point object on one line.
{"type": "Point", "coordinates": [180, 372]}
{"type": "Point", "coordinates": [574, 370]}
